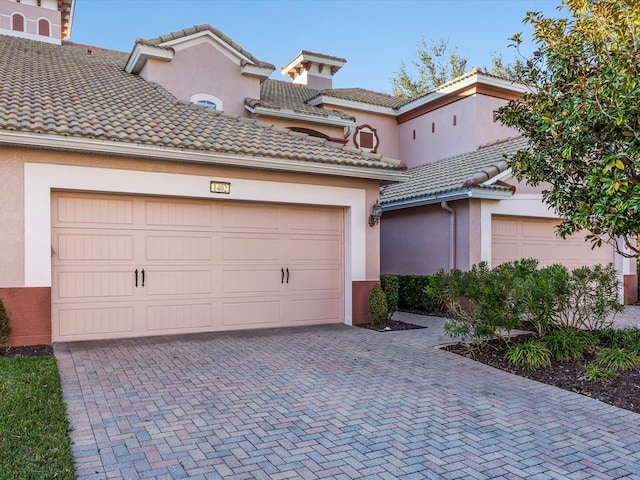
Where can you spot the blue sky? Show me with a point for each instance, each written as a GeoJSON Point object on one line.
{"type": "Point", "coordinates": [374, 36]}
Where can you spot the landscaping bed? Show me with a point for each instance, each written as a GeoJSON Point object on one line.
{"type": "Point", "coordinates": [623, 391]}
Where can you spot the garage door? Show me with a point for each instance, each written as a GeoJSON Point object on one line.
{"type": "Point", "coordinates": [514, 238]}
{"type": "Point", "coordinates": [134, 266]}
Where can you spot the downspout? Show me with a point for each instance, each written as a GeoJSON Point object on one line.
{"type": "Point", "coordinates": [452, 234]}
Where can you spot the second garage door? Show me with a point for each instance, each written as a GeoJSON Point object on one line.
{"type": "Point", "coordinates": [514, 238]}
{"type": "Point", "coordinates": [127, 266]}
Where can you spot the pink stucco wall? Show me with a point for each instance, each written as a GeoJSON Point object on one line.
{"type": "Point", "coordinates": [417, 240]}
{"type": "Point", "coordinates": [474, 126]}
{"type": "Point", "coordinates": [447, 140]}
{"type": "Point", "coordinates": [202, 68]}
{"type": "Point", "coordinates": [31, 14]}
{"type": "Point", "coordinates": [11, 219]}
{"type": "Point", "coordinates": [489, 131]}
{"type": "Point", "coordinates": [386, 128]}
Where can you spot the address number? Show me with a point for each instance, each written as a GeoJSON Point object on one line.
{"type": "Point", "coordinates": [220, 187]}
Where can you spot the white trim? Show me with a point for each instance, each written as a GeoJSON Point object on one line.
{"type": "Point", "coordinates": [455, 86]}
{"type": "Point", "coordinates": [479, 193]}
{"type": "Point", "coordinates": [141, 53]}
{"type": "Point", "coordinates": [199, 97]}
{"type": "Point", "coordinates": [499, 177]}
{"type": "Point", "coordinates": [256, 71]}
{"type": "Point", "coordinates": [303, 117]}
{"type": "Point", "coordinates": [180, 155]}
{"type": "Point", "coordinates": [40, 179]}
{"type": "Point", "coordinates": [310, 57]}
{"type": "Point", "coordinates": [339, 102]}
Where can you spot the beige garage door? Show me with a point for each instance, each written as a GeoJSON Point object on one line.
{"type": "Point", "coordinates": [137, 266]}
{"type": "Point", "coordinates": [514, 238]}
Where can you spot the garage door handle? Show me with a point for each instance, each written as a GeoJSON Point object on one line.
{"type": "Point", "coordinates": [287, 275]}
{"type": "Point", "coordinates": [136, 272]}
{"type": "Point", "coordinates": [143, 277]}
{"type": "Point", "coordinates": [282, 277]}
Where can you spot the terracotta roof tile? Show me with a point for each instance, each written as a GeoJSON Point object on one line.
{"type": "Point", "coordinates": [158, 41]}
{"type": "Point", "coordinates": [365, 96]}
{"type": "Point", "coordinates": [65, 91]}
{"type": "Point", "coordinates": [279, 95]}
{"type": "Point", "coordinates": [454, 174]}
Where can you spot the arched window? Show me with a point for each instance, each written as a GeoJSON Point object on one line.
{"type": "Point", "coordinates": [17, 22]}
{"type": "Point", "coordinates": [44, 27]}
{"type": "Point", "coordinates": [207, 100]}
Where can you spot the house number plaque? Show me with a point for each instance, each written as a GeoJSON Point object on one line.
{"type": "Point", "coordinates": [220, 187]}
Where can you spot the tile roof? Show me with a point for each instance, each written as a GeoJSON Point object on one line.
{"type": "Point", "coordinates": [79, 91]}
{"type": "Point", "coordinates": [365, 96]}
{"type": "Point", "coordinates": [158, 41]}
{"type": "Point", "coordinates": [322, 55]}
{"type": "Point", "coordinates": [455, 174]}
{"type": "Point", "coordinates": [279, 95]}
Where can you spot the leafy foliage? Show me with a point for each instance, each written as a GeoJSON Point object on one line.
{"type": "Point", "coordinates": [619, 338]}
{"type": "Point", "coordinates": [5, 325]}
{"type": "Point", "coordinates": [438, 63]}
{"type": "Point", "coordinates": [582, 119]}
{"type": "Point", "coordinates": [418, 293]}
{"type": "Point", "coordinates": [617, 358]}
{"type": "Point", "coordinates": [596, 372]}
{"type": "Point", "coordinates": [485, 303]}
{"type": "Point", "coordinates": [377, 307]}
{"type": "Point", "coordinates": [391, 287]}
{"type": "Point", "coordinates": [531, 355]}
{"type": "Point", "coordinates": [567, 344]}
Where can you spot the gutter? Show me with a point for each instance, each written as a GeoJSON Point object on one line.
{"type": "Point", "coordinates": [480, 193]}
{"type": "Point", "coordinates": [293, 115]}
{"type": "Point", "coordinates": [452, 234]}
{"type": "Point", "coordinates": [111, 147]}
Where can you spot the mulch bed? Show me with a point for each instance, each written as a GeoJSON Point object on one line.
{"type": "Point", "coordinates": [29, 351]}
{"type": "Point", "coordinates": [623, 392]}
{"type": "Point", "coordinates": [391, 326]}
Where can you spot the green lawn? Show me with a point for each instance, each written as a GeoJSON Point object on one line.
{"type": "Point", "coordinates": [34, 440]}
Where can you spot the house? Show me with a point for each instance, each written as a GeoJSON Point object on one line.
{"type": "Point", "coordinates": [139, 199]}
{"type": "Point", "coordinates": [178, 188]}
{"type": "Point", "coordinates": [462, 204]}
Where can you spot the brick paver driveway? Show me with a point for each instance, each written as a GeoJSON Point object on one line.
{"type": "Point", "coordinates": [327, 402]}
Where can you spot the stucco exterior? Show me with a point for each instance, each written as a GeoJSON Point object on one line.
{"type": "Point", "coordinates": [199, 67]}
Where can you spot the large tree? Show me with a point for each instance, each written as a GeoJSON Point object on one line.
{"type": "Point", "coordinates": [582, 119]}
{"type": "Point", "coordinates": [438, 63]}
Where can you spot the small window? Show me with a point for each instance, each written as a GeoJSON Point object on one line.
{"type": "Point", "coordinates": [207, 103]}
{"type": "Point", "coordinates": [17, 22]}
{"type": "Point", "coordinates": [207, 100]}
{"type": "Point", "coordinates": [44, 28]}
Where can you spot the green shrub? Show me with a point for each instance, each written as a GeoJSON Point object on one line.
{"type": "Point", "coordinates": [5, 325]}
{"type": "Point", "coordinates": [617, 358]}
{"type": "Point", "coordinates": [590, 300]}
{"type": "Point", "coordinates": [596, 372]}
{"type": "Point", "coordinates": [541, 292]}
{"type": "Point", "coordinates": [567, 344]}
{"type": "Point", "coordinates": [391, 288]}
{"type": "Point", "coordinates": [621, 338]}
{"type": "Point", "coordinates": [416, 293]}
{"type": "Point", "coordinates": [377, 307]}
{"type": "Point", "coordinates": [531, 355]}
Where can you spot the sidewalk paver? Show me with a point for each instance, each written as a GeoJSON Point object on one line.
{"type": "Point", "coordinates": [328, 402]}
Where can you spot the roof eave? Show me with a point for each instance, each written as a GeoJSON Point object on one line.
{"type": "Point", "coordinates": [303, 117]}
{"type": "Point", "coordinates": [479, 193]}
{"type": "Point", "coordinates": [256, 71]}
{"type": "Point", "coordinates": [339, 102]}
{"type": "Point", "coordinates": [141, 53]}
{"type": "Point", "coordinates": [110, 147]}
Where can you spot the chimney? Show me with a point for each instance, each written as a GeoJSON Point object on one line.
{"type": "Point", "coordinates": [313, 70]}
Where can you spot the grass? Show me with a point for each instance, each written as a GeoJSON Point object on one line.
{"type": "Point", "coordinates": [34, 440]}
